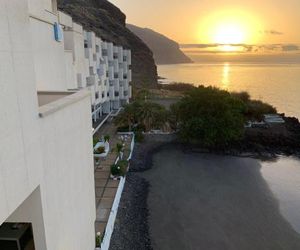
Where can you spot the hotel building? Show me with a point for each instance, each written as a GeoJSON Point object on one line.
{"type": "Point", "coordinates": [55, 80]}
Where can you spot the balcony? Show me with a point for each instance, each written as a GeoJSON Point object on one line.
{"type": "Point", "coordinates": [51, 101]}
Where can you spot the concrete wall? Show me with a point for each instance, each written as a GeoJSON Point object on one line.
{"type": "Point", "coordinates": [52, 154]}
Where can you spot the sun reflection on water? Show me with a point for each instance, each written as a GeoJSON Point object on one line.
{"type": "Point", "coordinates": [225, 76]}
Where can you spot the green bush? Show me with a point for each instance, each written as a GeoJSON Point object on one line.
{"type": "Point", "coordinates": [178, 86]}
{"type": "Point", "coordinates": [100, 150]}
{"type": "Point", "coordinates": [95, 141]}
{"type": "Point", "coordinates": [120, 168]}
{"type": "Point", "coordinates": [139, 137]}
{"type": "Point", "coordinates": [119, 147]}
{"type": "Point", "coordinates": [255, 109]}
{"type": "Point", "coordinates": [106, 138]}
{"type": "Point", "coordinates": [210, 116]}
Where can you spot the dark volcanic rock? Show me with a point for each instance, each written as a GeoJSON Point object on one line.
{"type": "Point", "coordinates": [108, 22]}
{"type": "Point", "coordinates": [165, 50]}
{"type": "Point", "coordinates": [131, 228]}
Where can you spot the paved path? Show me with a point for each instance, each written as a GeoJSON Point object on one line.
{"type": "Point", "coordinates": [105, 187]}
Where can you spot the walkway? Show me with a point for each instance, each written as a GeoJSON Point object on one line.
{"type": "Point", "coordinates": [105, 187]}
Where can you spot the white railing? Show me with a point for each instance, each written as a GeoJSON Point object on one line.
{"type": "Point", "coordinates": [113, 213]}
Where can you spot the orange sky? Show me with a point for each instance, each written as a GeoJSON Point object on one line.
{"type": "Point", "coordinates": [218, 21]}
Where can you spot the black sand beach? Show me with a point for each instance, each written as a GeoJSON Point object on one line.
{"type": "Point", "coordinates": [200, 201]}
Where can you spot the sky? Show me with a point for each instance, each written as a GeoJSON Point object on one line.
{"type": "Point", "coordinates": [218, 21]}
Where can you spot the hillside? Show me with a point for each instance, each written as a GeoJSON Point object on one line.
{"type": "Point", "coordinates": [108, 22]}
{"type": "Point", "coordinates": [165, 50]}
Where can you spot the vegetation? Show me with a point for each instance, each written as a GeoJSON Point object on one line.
{"type": "Point", "coordinates": [210, 116]}
{"type": "Point", "coordinates": [106, 138]}
{"type": "Point", "coordinates": [142, 115]}
{"type": "Point", "coordinates": [120, 149]}
{"type": "Point", "coordinates": [120, 168]}
{"type": "Point", "coordinates": [98, 239]}
{"type": "Point", "coordinates": [177, 86]}
{"type": "Point", "coordinates": [95, 141]}
{"type": "Point", "coordinates": [100, 150]}
{"type": "Point", "coordinates": [205, 115]}
{"type": "Point", "coordinates": [139, 137]}
{"type": "Point", "coordinates": [255, 108]}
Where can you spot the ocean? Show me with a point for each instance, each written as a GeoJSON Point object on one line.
{"type": "Point", "coordinates": [273, 79]}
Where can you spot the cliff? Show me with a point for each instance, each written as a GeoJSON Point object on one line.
{"type": "Point", "coordinates": [108, 22]}
{"type": "Point", "coordinates": [165, 50]}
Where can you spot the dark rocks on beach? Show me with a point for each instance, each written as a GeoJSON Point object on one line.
{"type": "Point", "coordinates": [131, 228]}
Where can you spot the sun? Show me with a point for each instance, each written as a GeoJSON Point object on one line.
{"type": "Point", "coordinates": [229, 27]}
{"type": "Point", "coordinates": [229, 33]}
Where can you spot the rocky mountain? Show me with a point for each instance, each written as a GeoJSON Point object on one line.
{"type": "Point", "coordinates": [108, 22]}
{"type": "Point", "coordinates": [165, 50]}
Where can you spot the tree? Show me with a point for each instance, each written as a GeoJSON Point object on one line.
{"type": "Point", "coordinates": [151, 115]}
{"type": "Point", "coordinates": [128, 116]}
{"type": "Point", "coordinates": [255, 109]}
{"type": "Point", "coordinates": [210, 116]}
{"type": "Point", "coordinates": [147, 115]}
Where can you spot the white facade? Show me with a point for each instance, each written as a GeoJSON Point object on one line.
{"type": "Point", "coordinates": [46, 155]}
{"type": "Point", "coordinates": [98, 66]}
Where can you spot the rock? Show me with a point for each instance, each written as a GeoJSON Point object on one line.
{"type": "Point", "coordinates": [108, 22]}
{"type": "Point", "coordinates": [165, 50]}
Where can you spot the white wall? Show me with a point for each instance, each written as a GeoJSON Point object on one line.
{"type": "Point", "coordinates": [52, 154]}
{"type": "Point", "coordinates": [48, 57]}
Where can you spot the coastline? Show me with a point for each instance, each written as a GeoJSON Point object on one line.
{"type": "Point", "coordinates": [132, 229]}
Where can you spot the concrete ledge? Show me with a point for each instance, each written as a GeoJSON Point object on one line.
{"type": "Point", "coordinates": [66, 100]}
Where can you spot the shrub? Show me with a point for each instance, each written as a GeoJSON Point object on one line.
{"type": "Point", "coordinates": [178, 86]}
{"type": "Point", "coordinates": [119, 169]}
{"type": "Point", "coordinates": [139, 137]}
{"type": "Point", "coordinates": [98, 239]}
{"type": "Point", "coordinates": [211, 117]}
{"type": "Point", "coordinates": [95, 141]}
{"type": "Point", "coordinates": [106, 138]}
{"type": "Point", "coordinates": [255, 109]}
{"type": "Point", "coordinates": [123, 129]}
{"type": "Point", "coordinates": [119, 147]}
{"type": "Point", "coordinates": [100, 150]}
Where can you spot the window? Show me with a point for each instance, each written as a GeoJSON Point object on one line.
{"type": "Point", "coordinates": [91, 70]}
{"type": "Point", "coordinates": [97, 48]}
{"type": "Point", "coordinates": [96, 95]}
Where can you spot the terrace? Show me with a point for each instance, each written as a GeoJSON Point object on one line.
{"type": "Point", "coordinates": [52, 101]}
{"type": "Point", "coordinates": [106, 188]}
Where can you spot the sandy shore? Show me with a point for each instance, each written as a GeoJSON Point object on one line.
{"type": "Point", "coordinates": [205, 201]}
{"type": "Point", "coordinates": [198, 201]}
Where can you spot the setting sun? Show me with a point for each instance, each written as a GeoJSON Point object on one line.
{"type": "Point", "coordinates": [230, 26]}
{"type": "Point", "coordinates": [229, 34]}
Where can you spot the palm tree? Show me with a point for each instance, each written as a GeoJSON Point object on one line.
{"type": "Point", "coordinates": [151, 115]}
{"type": "Point", "coordinates": [128, 116]}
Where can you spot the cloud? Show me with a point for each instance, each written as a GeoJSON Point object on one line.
{"type": "Point", "coordinates": [290, 47]}
{"type": "Point", "coordinates": [273, 32]}
{"type": "Point", "coordinates": [242, 48]}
